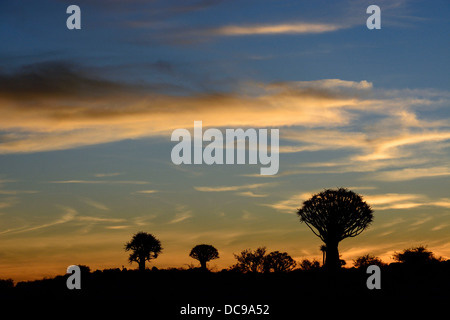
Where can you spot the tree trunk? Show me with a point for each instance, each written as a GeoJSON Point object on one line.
{"type": "Point", "coordinates": [203, 265]}
{"type": "Point", "coordinates": [332, 261]}
{"type": "Point", "coordinates": [142, 264]}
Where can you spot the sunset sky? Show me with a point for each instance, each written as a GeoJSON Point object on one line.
{"type": "Point", "coordinates": [86, 118]}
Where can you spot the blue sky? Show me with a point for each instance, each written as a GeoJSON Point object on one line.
{"type": "Point", "coordinates": [87, 116]}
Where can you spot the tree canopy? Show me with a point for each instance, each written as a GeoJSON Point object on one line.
{"type": "Point", "coordinates": [204, 253]}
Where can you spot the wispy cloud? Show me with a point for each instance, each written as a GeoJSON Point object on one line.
{"type": "Point", "coordinates": [8, 202]}
{"type": "Point", "coordinates": [100, 182]}
{"type": "Point", "coordinates": [274, 29]}
{"type": "Point", "coordinates": [379, 129]}
{"type": "Point", "coordinates": [387, 201]}
{"type": "Point", "coordinates": [146, 191]}
{"type": "Point", "coordinates": [231, 188]}
{"type": "Point", "coordinates": [112, 174]}
{"type": "Point", "coordinates": [16, 192]}
{"type": "Point", "coordinates": [101, 111]}
{"type": "Point", "coordinates": [181, 216]}
{"type": "Point", "coordinates": [251, 194]}
{"type": "Point", "coordinates": [291, 204]}
{"type": "Point", "coordinates": [411, 174]}
{"type": "Point", "coordinates": [69, 215]}
{"type": "Point", "coordinates": [96, 204]}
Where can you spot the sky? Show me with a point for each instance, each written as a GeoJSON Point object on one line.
{"type": "Point", "coordinates": [87, 117]}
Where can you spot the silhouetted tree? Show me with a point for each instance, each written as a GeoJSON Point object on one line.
{"type": "Point", "coordinates": [306, 264]}
{"type": "Point", "coordinates": [364, 261]}
{"type": "Point", "coordinates": [204, 253]}
{"type": "Point", "coordinates": [250, 261]}
{"type": "Point", "coordinates": [278, 262]}
{"type": "Point", "coordinates": [415, 256]}
{"type": "Point", "coordinates": [144, 247]}
{"type": "Point", "coordinates": [334, 215]}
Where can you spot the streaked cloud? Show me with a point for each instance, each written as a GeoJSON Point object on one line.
{"type": "Point", "coordinates": [274, 29]}
{"type": "Point", "coordinates": [181, 216]}
{"type": "Point", "coordinates": [8, 202]}
{"type": "Point", "coordinates": [251, 194]}
{"type": "Point", "coordinates": [96, 204]}
{"type": "Point", "coordinates": [100, 182]}
{"type": "Point", "coordinates": [146, 191]}
{"type": "Point", "coordinates": [97, 111]}
{"type": "Point", "coordinates": [387, 201]}
{"type": "Point", "coordinates": [16, 192]}
{"type": "Point", "coordinates": [231, 188]}
{"type": "Point", "coordinates": [112, 174]}
{"type": "Point", "coordinates": [292, 203]}
{"type": "Point", "coordinates": [411, 174]}
{"type": "Point", "coordinates": [69, 215]}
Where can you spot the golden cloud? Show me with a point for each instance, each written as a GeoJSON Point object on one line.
{"type": "Point", "coordinates": [96, 112]}
{"type": "Point", "coordinates": [271, 29]}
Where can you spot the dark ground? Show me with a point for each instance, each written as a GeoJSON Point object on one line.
{"type": "Point", "coordinates": [398, 281]}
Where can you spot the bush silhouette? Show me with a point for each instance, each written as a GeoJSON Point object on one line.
{"type": "Point", "coordinates": [306, 264]}
{"type": "Point", "coordinates": [366, 260]}
{"type": "Point", "coordinates": [416, 256]}
{"type": "Point", "coordinates": [204, 253]}
{"type": "Point", "coordinates": [278, 262]}
{"type": "Point", "coordinates": [250, 261]}
{"type": "Point", "coordinates": [334, 215]}
{"type": "Point", "coordinates": [144, 247]}
{"type": "Point", "coordinates": [258, 261]}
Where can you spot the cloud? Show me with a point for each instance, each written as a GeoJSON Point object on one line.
{"type": "Point", "coordinates": [63, 109]}
{"type": "Point", "coordinates": [411, 174]}
{"type": "Point", "coordinates": [96, 204]}
{"type": "Point", "coordinates": [274, 29]}
{"type": "Point", "coordinates": [181, 216]}
{"type": "Point", "coordinates": [231, 188]}
{"type": "Point", "coordinates": [8, 202]}
{"type": "Point", "coordinates": [15, 192]}
{"type": "Point", "coordinates": [56, 79]}
{"type": "Point", "coordinates": [146, 191]}
{"type": "Point", "coordinates": [102, 175]}
{"type": "Point", "coordinates": [387, 201]}
{"type": "Point", "coordinates": [378, 129]}
{"type": "Point", "coordinates": [100, 182]}
{"type": "Point", "coordinates": [386, 148]}
{"type": "Point", "coordinates": [69, 215]}
{"type": "Point", "coordinates": [291, 204]}
{"type": "Point", "coordinates": [98, 219]}
{"type": "Point", "coordinates": [251, 194]}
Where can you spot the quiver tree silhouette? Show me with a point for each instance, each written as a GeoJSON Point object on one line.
{"type": "Point", "coordinates": [204, 253]}
{"type": "Point", "coordinates": [333, 215]}
{"type": "Point", "coordinates": [144, 247]}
